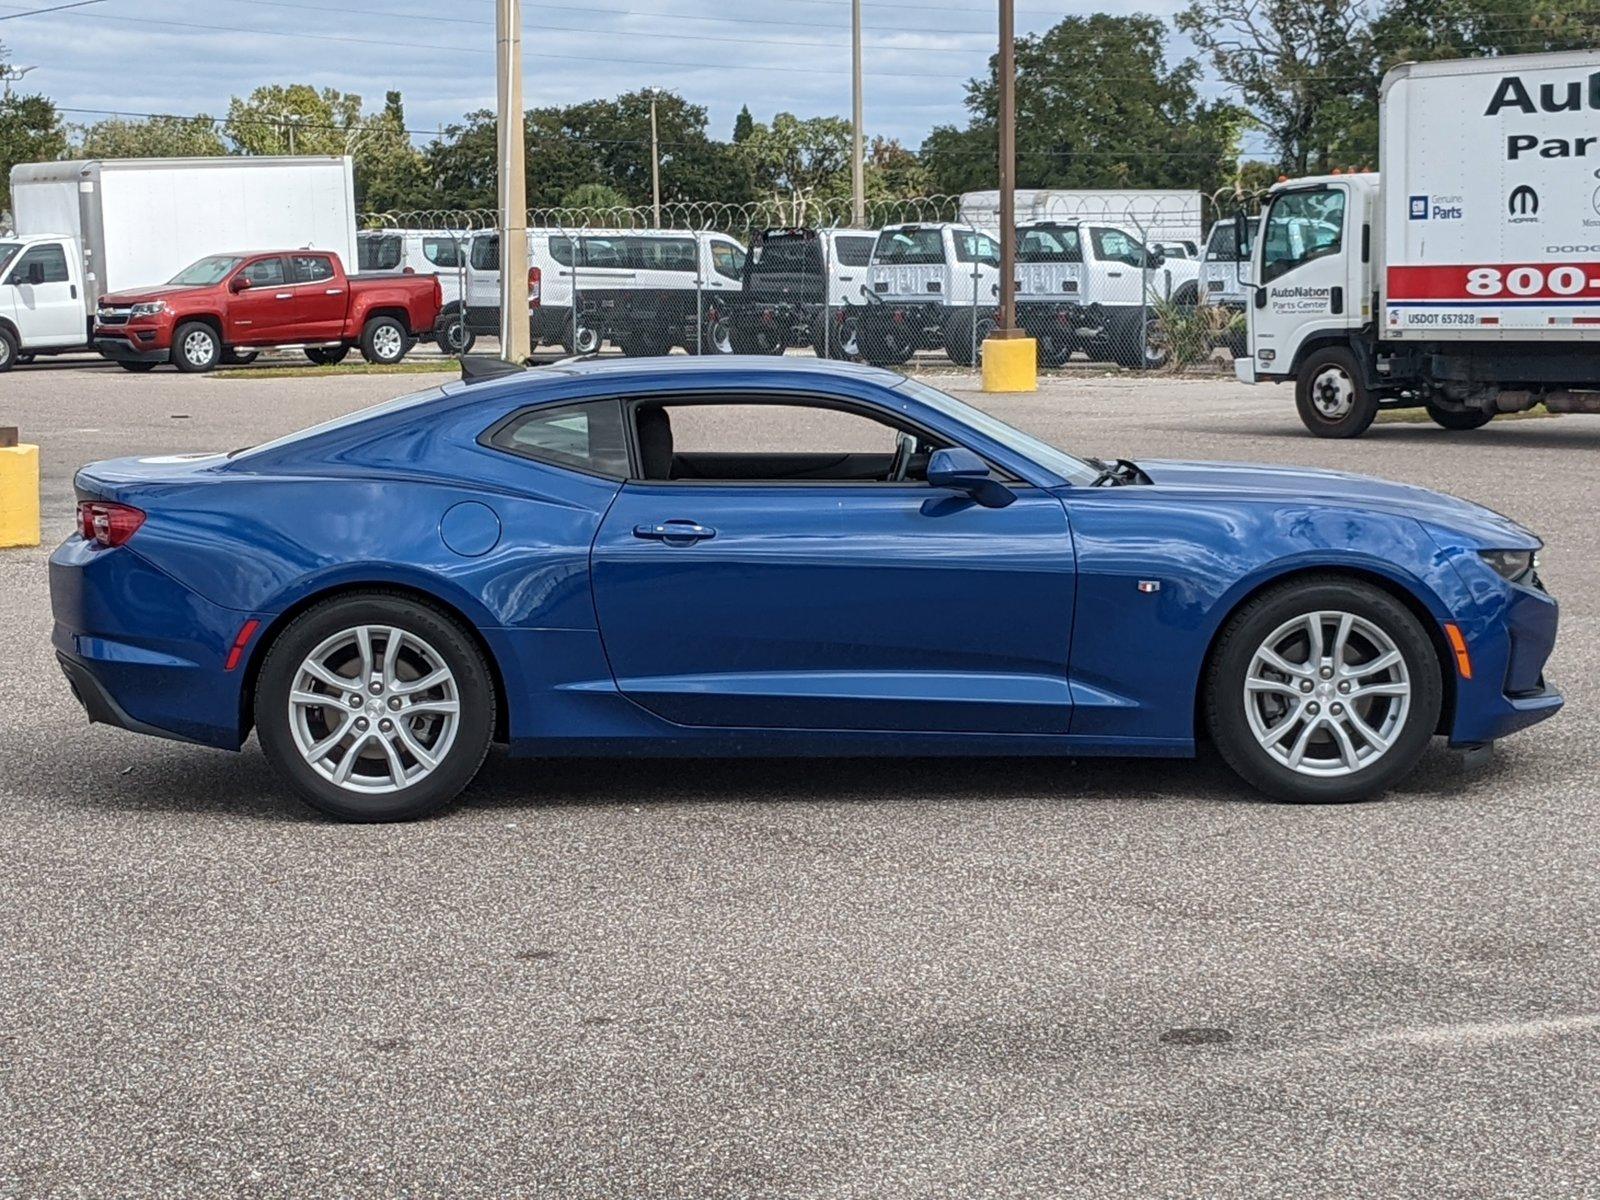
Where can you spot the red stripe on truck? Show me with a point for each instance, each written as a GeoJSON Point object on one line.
{"type": "Point", "coordinates": [1488, 283]}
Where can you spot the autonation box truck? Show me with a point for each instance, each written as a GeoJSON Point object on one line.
{"type": "Point", "coordinates": [87, 228]}
{"type": "Point", "coordinates": [1464, 277]}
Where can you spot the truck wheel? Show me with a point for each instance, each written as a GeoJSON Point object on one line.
{"type": "Point", "coordinates": [8, 350]}
{"type": "Point", "coordinates": [453, 335]}
{"type": "Point", "coordinates": [196, 348]}
{"type": "Point", "coordinates": [587, 340]}
{"type": "Point", "coordinates": [842, 341]}
{"type": "Point", "coordinates": [884, 342]}
{"type": "Point", "coordinates": [1459, 418]}
{"type": "Point", "coordinates": [964, 334]}
{"type": "Point", "coordinates": [327, 356]}
{"type": "Point", "coordinates": [1331, 395]}
{"type": "Point", "coordinates": [716, 333]}
{"type": "Point", "coordinates": [645, 345]}
{"type": "Point", "coordinates": [1187, 295]}
{"type": "Point", "coordinates": [760, 340]}
{"type": "Point", "coordinates": [384, 341]}
{"type": "Point", "coordinates": [1148, 349]}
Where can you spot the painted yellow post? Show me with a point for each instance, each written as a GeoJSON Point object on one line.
{"type": "Point", "coordinates": [1010, 364]}
{"type": "Point", "coordinates": [19, 491]}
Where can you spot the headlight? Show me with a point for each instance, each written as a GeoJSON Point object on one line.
{"type": "Point", "coordinates": [150, 310]}
{"type": "Point", "coordinates": [1515, 565]}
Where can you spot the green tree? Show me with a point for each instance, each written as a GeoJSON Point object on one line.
{"type": "Point", "coordinates": [1097, 105]}
{"type": "Point", "coordinates": [157, 137]}
{"type": "Point", "coordinates": [743, 125]}
{"type": "Point", "coordinates": [30, 131]}
{"type": "Point", "coordinates": [391, 173]}
{"type": "Point", "coordinates": [293, 118]}
{"type": "Point", "coordinates": [893, 172]}
{"type": "Point", "coordinates": [594, 196]}
{"type": "Point", "coordinates": [1307, 70]}
{"type": "Point", "coordinates": [462, 160]}
{"type": "Point", "coordinates": [792, 157]}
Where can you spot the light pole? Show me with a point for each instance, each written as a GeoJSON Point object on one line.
{"type": "Point", "coordinates": [858, 186]}
{"type": "Point", "coordinates": [655, 162]}
{"type": "Point", "coordinates": [1010, 361]}
{"type": "Point", "coordinates": [513, 190]}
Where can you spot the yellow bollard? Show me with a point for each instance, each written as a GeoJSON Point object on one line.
{"type": "Point", "coordinates": [1010, 365]}
{"type": "Point", "coordinates": [19, 491]}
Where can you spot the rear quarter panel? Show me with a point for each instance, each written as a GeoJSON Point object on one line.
{"type": "Point", "coordinates": [418, 296]}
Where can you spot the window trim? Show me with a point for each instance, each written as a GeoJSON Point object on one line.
{"type": "Point", "coordinates": [860, 408]}
{"type": "Point", "coordinates": [326, 258]}
{"type": "Point", "coordinates": [41, 249]}
{"type": "Point", "coordinates": [1309, 189]}
{"type": "Point", "coordinates": [282, 262]}
{"type": "Point", "coordinates": [486, 439]}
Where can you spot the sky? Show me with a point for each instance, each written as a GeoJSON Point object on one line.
{"type": "Point", "coordinates": [774, 55]}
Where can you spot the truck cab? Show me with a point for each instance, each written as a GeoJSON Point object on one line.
{"type": "Point", "coordinates": [797, 284]}
{"type": "Point", "coordinates": [930, 285]}
{"type": "Point", "coordinates": [42, 305]}
{"type": "Point", "coordinates": [1313, 281]}
{"type": "Point", "coordinates": [1225, 267]}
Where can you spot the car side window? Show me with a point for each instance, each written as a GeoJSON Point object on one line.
{"type": "Point", "coordinates": [51, 260]}
{"type": "Point", "coordinates": [442, 252]}
{"type": "Point", "coordinates": [587, 436]}
{"type": "Point", "coordinates": [728, 259]}
{"type": "Point", "coordinates": [311, 268]}
{"type": "Point", "coordinates": [1301, 226]}
{"type": "Point", "coordinates": [265, 272]}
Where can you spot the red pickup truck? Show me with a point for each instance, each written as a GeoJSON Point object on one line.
{"type": "Point", "coordinates": [226, 307]}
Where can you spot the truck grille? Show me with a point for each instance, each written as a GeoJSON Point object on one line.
{"type": "Point", "coordinates": [114, 316]}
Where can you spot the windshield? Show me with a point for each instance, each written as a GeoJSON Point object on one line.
{"type": "Point", "coordinates": [908, 247]}
{"type": "Point", "coordinates": [8, 251]}
{"type": "Point", "coordinates": [206, 272]}
{"type": "Point", "coordinates": [1073, 470]}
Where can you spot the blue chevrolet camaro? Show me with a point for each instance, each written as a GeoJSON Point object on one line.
{"type": "Point", "coordinates": [778, 557]}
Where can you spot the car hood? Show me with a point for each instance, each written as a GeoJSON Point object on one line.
{"type": "Point", "coordinates": [1480, 525]}
{"type": "Point", "coordinates": [143, 295]}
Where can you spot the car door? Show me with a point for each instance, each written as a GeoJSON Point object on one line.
{"type": "Point", "coordinates": [834, 605]}
{"type": "Point", "coordinates": [320, 298]}
{"type": "Point", "coordinates": [1119, 267]}
{"type": "Point", "coordinates": [256, 314]}
{"type": "Point", "coordinates": [48, 302]}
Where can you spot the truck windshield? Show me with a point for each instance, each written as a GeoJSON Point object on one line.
{"type": "Point", "coordinates": [1221, 248]}
{"type": "Point", "coordinates": [8, 251]}
{"type": "Point", "coordinates": [1048, 246]}
{"type": "Point", "coordinates": [908, 247]}
{"type": "Point", "coordinates": [206, 272]}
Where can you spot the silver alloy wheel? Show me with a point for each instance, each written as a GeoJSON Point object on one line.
{"type": "Point", "coordinates": [374, 709]}
{"type": "Point", "coordinates": [1327, 694]}
{"type": "Point", "coordinates": [199, 348]}
{"type": "Point", "coordinates": [387, 343]}
{"type": "Point", "coordinates": [5, 352]}
{"type": "Point", "coordinates": [720, 337]}
{"type": "Point", "coordinates": [848, 343]}
{"type": "Point", "coordinates": [1333, 392]}
{"type": "Point", "coordinates": [587, 341]}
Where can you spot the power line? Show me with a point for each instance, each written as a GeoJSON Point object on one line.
{"type": "Point", "coordinates": [34, 12]}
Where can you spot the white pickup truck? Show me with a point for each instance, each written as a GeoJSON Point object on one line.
{"type": "Point", "coordinates": [930, 286]}
{"type": "Point", "coordinates": [42, 306]}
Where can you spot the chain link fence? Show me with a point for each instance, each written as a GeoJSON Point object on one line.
{"type": "Point", "coordinates": [1144, 281]}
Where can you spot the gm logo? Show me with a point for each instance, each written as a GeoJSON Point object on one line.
{"type": "Point", "coordinates": [1524, 201]}
{"type": "Point", "coordinates": [1419, 208]}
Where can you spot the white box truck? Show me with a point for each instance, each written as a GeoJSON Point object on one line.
{"type": "Point", "coordinates": [1156, 214]}
{"type": "Point", "coordinates": [1464, 277]}
{"type": "Point", "coordinates": [87, 228]}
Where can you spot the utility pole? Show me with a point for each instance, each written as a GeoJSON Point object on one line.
{"type": "Point", "coordinates": [513, 190]}
{"type": "Point", "coordinates": [655, 161]}
{"type": "Point", "coordinates": [1006, 318]}
{"type": "Point", "coordinates": [13, 75]}
{"type": "Point", "coordinates": [858, 183]}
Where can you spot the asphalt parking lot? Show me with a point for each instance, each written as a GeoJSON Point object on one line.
{"type": "Point", "coordinates": [842, 979]}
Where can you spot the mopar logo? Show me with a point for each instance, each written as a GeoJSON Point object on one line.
{"type": "Point", "coordinates": [1571, 96]}
{"type": "Point", "coordinates": [1419, 208]}
{"type": "Point", "coordinates": [1524, 201]}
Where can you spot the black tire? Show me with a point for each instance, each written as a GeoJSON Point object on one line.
{"type": "Point", "coordinates": [384, 341]}
{"type": "Point", "coordinates": [1228, 720]}
{"type": "Point", "coordinates": [1332, 396]}
{"type": "Point", "coordinates": [964, 334]}
{"type": "Point", "coordinates": [1459, 419]}
{"type": "Point", "coordinates": [716, 333]}
{"type": "Point", "coordinates": [1140, 347]}
{"type": "Point", "coordinates": [885, 343]}
{"type": "Point", "coordinates": [239, 358]}
{"type": "Point", "coordinates": [474, 691]}
{"type": "Point", "coordinates": [645, 345]}
{"type": "Point", "coordinates": [587, 340]}
{"type": "Point", "coordinates": [842, 340]}
{"type": "Point", "coordinates": [138, 368]}
{"type": "Point", "coordinates": [196, 348]}
{"type": "Point", "coordinates": [1188, 294]}
{"type": "Point", "coordinates": [760, 340]}
{"type": "Point", "coordinates": [8, 350]}
{"type": "Point", "coordinates": [453, 336]}
{"type": "Point", "coordinates": [327, 356]}
{"type": "Point", "coordinates": [1055, 350]}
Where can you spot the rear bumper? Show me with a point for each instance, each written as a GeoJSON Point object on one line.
{"type": "Point", "coordinates": [141, 651]}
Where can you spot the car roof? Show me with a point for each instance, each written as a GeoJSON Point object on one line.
{"type": "Point", "coordinates": [657, 370]}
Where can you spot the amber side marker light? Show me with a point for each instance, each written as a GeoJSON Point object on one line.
{"type": "Point", "coordinates": [1459, 645]}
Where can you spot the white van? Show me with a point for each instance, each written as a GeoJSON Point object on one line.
{"type": "Point", "coordinates": [930, 285]}
{"type": "Point", "coordinates": [637, 288]}
{"type": "Point", "coordinates": [440, 252]}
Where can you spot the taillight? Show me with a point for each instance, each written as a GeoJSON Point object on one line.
{"type": "Point", "coordinates": [107, 523]}
{"type": "Point", "coordinates": [534, 287]}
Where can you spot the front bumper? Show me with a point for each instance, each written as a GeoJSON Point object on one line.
{"type": "Point", "coordinates": [1509, 639]}
{"type": "Point", "coordinates": [133, 345]}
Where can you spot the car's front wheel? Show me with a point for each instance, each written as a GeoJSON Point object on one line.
{"type": "Point", "coordinates": [196, 348]}
{"type": "Point", "coordinates": [1331, 395]}
{"type": "Point", "coordinates": [375, 707]}
{"type": "Point", "coordinates": [1323, 690]}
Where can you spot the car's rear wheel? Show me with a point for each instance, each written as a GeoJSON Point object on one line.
{"type": "Point", "coordinates": [8, 350]}
{"type": "Point", "coordinates": [196, 348]}
{"type": "Point", "coordinates": [384, 341]}
{"type": "Point", "coordinates": [375, 707]}
{"type": "Point", "coordinates": [327, 356]}
{"type": "Point", "coordinates": [1323, 690]}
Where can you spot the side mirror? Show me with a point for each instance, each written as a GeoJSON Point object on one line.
{"type": "Point", "coordinates": [960, 470]}
{"type": "Point", "coordinates": [36, 273]}
{"type": "Point", "coordinates": [1156, 256]}
{"type": "Point", "coordinates": [239, 284]}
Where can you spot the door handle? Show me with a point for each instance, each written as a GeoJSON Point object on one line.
{"type": "Point", "coordinates": [285, 296]}
{"type": "Point", "coordinates": [675, 533]}
{"type": "Point", "coordinates": [334, 292]}
{"type": "Point", "coordinates": [1113, 274]}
